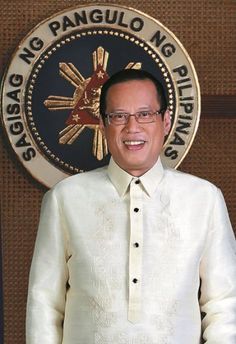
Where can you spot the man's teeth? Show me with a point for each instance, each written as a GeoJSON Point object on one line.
{"type": "Point", "coordinates": [133, 143]}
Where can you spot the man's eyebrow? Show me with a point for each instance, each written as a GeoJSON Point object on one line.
{"type": "Point", "coordinates": [142, 108]}
{"type": "Point", "coordinates": [118, 110]}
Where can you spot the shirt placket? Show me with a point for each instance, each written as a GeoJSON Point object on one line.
{"type": "Point", "coordinates": [135, 251]}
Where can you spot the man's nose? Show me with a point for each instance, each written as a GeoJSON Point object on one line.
{"type": "Point", "coordinates": [132, 125]}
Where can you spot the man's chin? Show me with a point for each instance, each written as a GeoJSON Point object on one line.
{"type": "Point", "coordinates": [136, 168]}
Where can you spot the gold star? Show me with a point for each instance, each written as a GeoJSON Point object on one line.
{"type": "Point", "coordinates": [76, 118]}
{"type": "Point", "coordinates": [100, 75]}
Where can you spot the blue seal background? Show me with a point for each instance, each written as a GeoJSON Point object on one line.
{"type": "Point", "coordinates": [48, 82]}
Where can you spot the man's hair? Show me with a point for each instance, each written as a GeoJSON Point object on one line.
{"type": "Point", "coordinates": [128, 75]}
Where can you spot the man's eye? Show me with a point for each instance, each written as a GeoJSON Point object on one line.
{"type": "Point", "coordinates": [144, 114]}
{"type": "Point", "coordinates": [119, 116]}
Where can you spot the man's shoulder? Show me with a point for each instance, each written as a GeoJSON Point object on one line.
{"type": "Point", "coordinates": [187, 181]}
{"type": "Point", "coordinates": [82, 180]}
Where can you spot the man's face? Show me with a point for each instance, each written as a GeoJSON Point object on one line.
{"type": "Point", "coordinates": [135, 147]}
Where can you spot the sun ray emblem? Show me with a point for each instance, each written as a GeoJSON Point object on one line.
{"type": "Point", "coordinates": [85, 101]}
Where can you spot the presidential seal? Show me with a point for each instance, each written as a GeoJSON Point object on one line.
{"type": "Point", "coordinates": [50, 91]}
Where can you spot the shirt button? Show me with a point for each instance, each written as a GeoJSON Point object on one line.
{"type": "Point", "coordinates": [136, 244]}
{"type": "Point", "coordinates": [136, 210]}
{"type": "Point", "coordinates": [137, 181]}
{"type": "Point", "coordinates": [135, 280]}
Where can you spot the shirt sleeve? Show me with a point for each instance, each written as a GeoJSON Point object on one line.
{"type": "Point", "coordinates": [218, 278]}
{"type": "Point", "coordinates": [48, 277]}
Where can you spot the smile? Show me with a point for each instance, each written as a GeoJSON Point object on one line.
{"type": "Point", "coordinates": [134, 143]}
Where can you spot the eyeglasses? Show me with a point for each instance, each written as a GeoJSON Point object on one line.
{"type": "Point", "coordinates": [122, 118]}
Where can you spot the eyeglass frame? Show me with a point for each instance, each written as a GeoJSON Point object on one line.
{"type": "Point", "coordinates": [157, 112]}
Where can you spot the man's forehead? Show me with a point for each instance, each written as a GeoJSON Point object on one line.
{"type": "Point", "coordinates": [144, 85]}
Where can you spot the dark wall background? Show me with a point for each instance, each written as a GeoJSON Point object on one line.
{"type": "Point", "coordinates": [207, 30]}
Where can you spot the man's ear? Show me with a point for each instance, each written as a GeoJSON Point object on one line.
{"type": "Point", "coordinates": [167, 122]}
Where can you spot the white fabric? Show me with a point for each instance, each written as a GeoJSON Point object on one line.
{"type": "Point", "coordinates": [92, 244]}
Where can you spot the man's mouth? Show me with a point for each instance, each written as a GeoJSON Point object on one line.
{"type": "Point", "coordinates": [134, 144]}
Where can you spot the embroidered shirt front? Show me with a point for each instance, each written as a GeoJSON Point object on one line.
{"type": "Point", "coordinates": [119, 260]}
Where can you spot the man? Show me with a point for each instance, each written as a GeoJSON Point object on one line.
{"type": "Point", "coordinates": [133, 253]}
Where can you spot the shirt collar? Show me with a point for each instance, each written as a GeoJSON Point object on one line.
{"type": "Point", "coordinates": [121, 179]}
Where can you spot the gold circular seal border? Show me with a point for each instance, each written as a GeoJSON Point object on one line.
{"type": "Point", "coordinates": [49, 174]}
{"type": "Point", "coordinates": [166, 74]}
